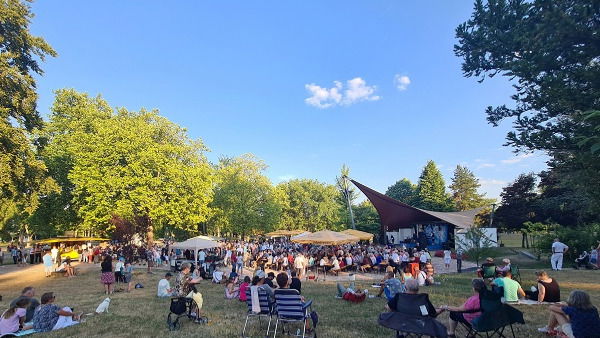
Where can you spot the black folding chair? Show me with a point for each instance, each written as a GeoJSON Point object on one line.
{"type": "Point", "coordinates": [495, 317]}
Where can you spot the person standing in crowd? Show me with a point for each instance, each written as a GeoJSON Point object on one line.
{"type": "Point", "coordinates": [48, 263]}
{"type": "Point", "coordinates": [558, 250]}
{"type": "Point", "coordinates": [128, 275]}
{"type": "Point", "coordinates": [107, 277]}
{"type": "Point", "coordinates": [459, 254]}
{"type": "Point", "coordinates": [54, 253]}
{"type": "Point", "coordinates": [15, 254]}
{"type": "Point", "coordinates": [447, 258]}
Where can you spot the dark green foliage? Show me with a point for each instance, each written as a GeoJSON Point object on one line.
{"type": "Point", "coordinates": [518, 200]}
{"type": "Point", "coordinates": [464, 190]}
{"type": "Point", "coordinates": [431, 190]}
{"type": "Point", "coordinates": [404, 191]}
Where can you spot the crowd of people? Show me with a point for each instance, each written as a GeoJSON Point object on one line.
{"type": "Point", "coordinates": [280, 265]}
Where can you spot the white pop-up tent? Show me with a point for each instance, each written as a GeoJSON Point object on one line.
{"type": "Point", "coordinates": [196, 243]}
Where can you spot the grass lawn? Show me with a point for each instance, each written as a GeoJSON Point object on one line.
{"type": "Point", "coordinates": [141, 314]}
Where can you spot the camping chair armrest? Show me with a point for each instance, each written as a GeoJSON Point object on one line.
{"type": "Point", "coordinates": [307, 305]}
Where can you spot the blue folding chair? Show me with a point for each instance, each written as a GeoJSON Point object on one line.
{"type": "Point", "coordinates": [291, 309]}
{"type": "Point", "coordinates": [266, 309]}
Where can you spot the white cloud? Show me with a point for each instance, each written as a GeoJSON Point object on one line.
{"type": "Point", "coordinates": [486, 165]}
{"type": "Point", "coordinates": [356, 90]}
{"type": "Point", "coordinates": [284, 178]}
{"type": "Point", "coordinates": [401, 82]}
{"type": "Point", "coordinates": [517, 159]}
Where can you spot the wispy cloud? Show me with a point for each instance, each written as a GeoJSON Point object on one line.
{"type": "Point", "coordinates": [356, 90]}
{"type": "Point", "coordinates": [401, 82]}
{"type": "Point", "coordinates": [284, 178]}
{"type": "Point", "coordinates": [490, 182]}
{"type": "Point", "coordinates": [485, 165]}
{"type": "Point", "coordinates": [517, 159]}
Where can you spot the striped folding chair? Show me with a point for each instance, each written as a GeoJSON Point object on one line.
{"type": "Point", "coordinates": [266, 309]}
{"type": "Point", "coordinates": [291, 309]}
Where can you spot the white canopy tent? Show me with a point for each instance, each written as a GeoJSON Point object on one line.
{"type": "Point", "coordinates": [302, 234]}
{"type": "Point", "coordinates": [196, 243]}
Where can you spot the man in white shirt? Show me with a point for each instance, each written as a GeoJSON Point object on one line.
{"type": "Point", "coordinates": [164, 287]}
{"type": "Point", "coordinates": [558, 250]}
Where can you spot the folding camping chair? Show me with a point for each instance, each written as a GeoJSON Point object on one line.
{"type": "Point", "coordinates": [291, 309]}
{"type": "Point", "coordinates": [489, 272]}
{"type": "Point", "coordinates": [516, 274]}
{"type": "Point", "coordinates": [266, 309]}
{"type": "Point", "coordinates": [408, 319]}
{"type": "Point", "coordinates": [495, 317]}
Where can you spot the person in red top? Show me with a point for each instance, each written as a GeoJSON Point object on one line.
{"type": "Point", "coordinates": [458, 314]}
{"type": "Point", "coordinates": [291, 259]}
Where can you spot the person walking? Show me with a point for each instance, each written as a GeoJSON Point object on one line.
{"type": "Point", "coordinates": [558, 250]}
{"type": "Point", "coordinates": [459, 254]}
{"type": "Point", "coordinates": [48, 263]}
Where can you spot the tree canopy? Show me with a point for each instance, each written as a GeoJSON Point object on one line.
{"type": "Point", "coordinates": [431, 190]}
{"type": "Point", "coordinates": [404, 191]}
{"type": "Point", "coordinates": [23, 177]}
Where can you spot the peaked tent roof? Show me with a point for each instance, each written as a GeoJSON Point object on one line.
{"type": "Point", "coordinates": [395, 214]}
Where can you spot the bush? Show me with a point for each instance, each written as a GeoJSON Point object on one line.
{"type": "Point", "coordinates": [577, 239]}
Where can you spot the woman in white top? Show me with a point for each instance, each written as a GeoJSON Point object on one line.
{"type": "Point", "coordinates": [447, 258]}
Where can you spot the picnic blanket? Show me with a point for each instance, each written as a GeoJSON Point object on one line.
{"type": "Point", "coordinates": [532, 302]}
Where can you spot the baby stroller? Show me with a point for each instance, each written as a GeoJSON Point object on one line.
{"type": "Point", "coordinates": [183, 307]}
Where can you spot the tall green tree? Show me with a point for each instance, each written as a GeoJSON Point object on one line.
{"type": "Point", "coordinates": [75, 116]}
{"type": "Point", "coordinates": [404, 191]}
{"type": "Point", "coordinates": [348, 193]}
{"type": "Point", "coordinates": [431, 190]}
{"type": "Point", "coordinates": [518, 199]}
{"type": "Point", "coordinates": [464, 189]}
{"type": "Point", "coordinates": [23, 177]}
{"type": "Point", "coordinates": [367, 218]}
{"type": "Point", "coordinates": [549, 50]}
{"type": "Point", "coordinates": [310, 205]}
{"type": "Point", "coordinates": [135, 165]}
{"type": "Point", "coordinates": [245, 202]}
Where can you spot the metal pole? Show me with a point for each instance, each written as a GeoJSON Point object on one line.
{"type": "Point", "coordinates": [347, 193]}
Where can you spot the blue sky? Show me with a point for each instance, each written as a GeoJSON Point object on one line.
{"type": "Point", "coordinates": [306, 86]}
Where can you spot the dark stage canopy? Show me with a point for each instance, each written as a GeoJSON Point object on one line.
{"type": "Point", "coordinates": [395, 214]}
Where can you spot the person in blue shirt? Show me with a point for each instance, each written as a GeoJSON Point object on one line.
{"type": "Point", "coordinates": [578, 318]}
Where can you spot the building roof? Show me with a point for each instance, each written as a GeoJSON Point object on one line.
{"type": "Point", "coordinates": [395, 214]}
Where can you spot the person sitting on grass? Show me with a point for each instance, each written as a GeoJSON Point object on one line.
{"type": "Point", "coordinates": [464, 314]}
{"type": "Point", "coordinates": [351, 293]}
{"type": "Point", "coordinates": [547, 289]}
{"type": "Point", "coordinates": [164, 287]}
{"type": "Point", "coordinates": [50, 316]}
{"type": "Point", "coordinates": [512, 288]}
{"type": "Point", "coordinates": [269, 280]}
{"type": "Point", "coordinates": [577, 318]}
{"type": "Point", "coordinates": [243, 287]}
{"type": "Point", "coordinates": [390, 286]}
{"type": "Point", "coordinates": [29, 294]}
{"type": "Point", "coordinates": [232, 291]}
{"type": "Point", "coordinates": [582, 260]}
{"type": "Point", "coordinates": [412, 302]}
{"type": "Point", "coordinates": [295, 283]}
{"type": "Point", "coordinates": [13, 319]}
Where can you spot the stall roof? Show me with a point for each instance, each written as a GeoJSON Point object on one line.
{"type": "Point", "coordinates": [395, 214]}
